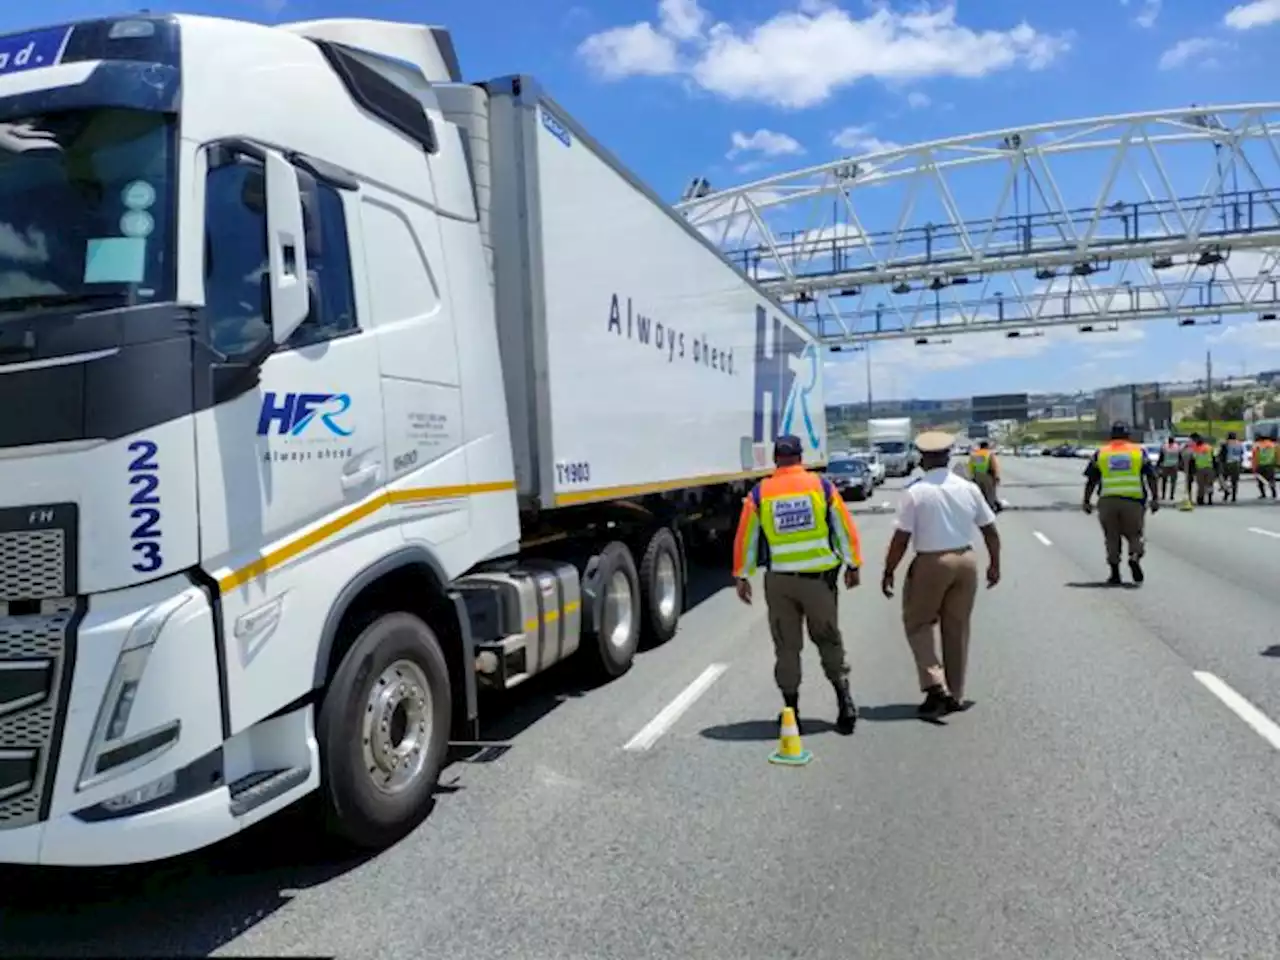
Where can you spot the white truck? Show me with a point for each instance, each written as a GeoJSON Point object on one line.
{"type": "Point", "coordinates": [893, 440]}
{"type": "Point", "coordinates": [336, 387]}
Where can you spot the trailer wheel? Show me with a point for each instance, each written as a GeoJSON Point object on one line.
{"type": "Point", "coordinates": [662, 586]}
{"type": "Point", "coordinates": [615, 644]}
{"type": "Point", "coordinates": [384, 731]}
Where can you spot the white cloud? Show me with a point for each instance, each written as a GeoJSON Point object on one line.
{"type": "Point", "coordinates": [800, 57]}
{"type": "Point", "coordinates": [1252, 336]}
{"type": "Point", "coordinates": [1199, 49]}
{"type": "Point", "coordinates": [917, 100]}
{"type": "Point", "coordinates": [634, 51]}
{"type": "Point", "coordinates": [1259, 13]}
{"type": "Point", "coordinates": [1147, 16]}
{"type": "Point", "coordinates": [859, 140]}
{"type": "Point", "coordinates": [766, 142]}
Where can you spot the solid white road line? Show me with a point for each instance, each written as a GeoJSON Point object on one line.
{"type": "Point", "coordinates": [1042, 538]}
{"type": "Point", "coordinates": [1263, 725]}
{"type": "Point", "coordinates": [1265, 533]}
{"type": "Point", "coordinates": [672, 712]}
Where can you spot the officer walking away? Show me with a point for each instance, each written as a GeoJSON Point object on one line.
{"type": "Point", "coordinates": [984, 470]}
{"type": "Point", "coordinates": [1231, 457]}
{"type": "Point", "coordinates": [1264, 464]}
{"type": "Point", "coordinates": [796, 525]}
{"type": "Point", "coordinates": [1121, 469]}
{"type": "Point", "coordinates": [1170, 460]}
{"type": "Point", "coordinates": [1201, 470]}
{"type": "Point", "coordinates": [937, 513]}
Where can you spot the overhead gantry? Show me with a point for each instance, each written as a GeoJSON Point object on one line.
{"type": "Point", "coordinates": [1169, 215]}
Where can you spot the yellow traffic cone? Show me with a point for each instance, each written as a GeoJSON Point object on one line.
{"type": "Point", "coordinates": [790, 752]}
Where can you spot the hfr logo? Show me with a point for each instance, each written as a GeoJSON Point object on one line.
{"type": "Point", "coordinates": [786, 373]}
{"type": "Point", "coordinates": [293, 413]}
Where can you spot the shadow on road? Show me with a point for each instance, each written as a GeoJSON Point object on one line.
{"type": "Point", "coordinates": [1100, 585]}
{"type": "Point", "coordinates": [1272, 651]}
{"type": "Point", "coordinates": [760, 731]}
{"type": "Point", "coordinates": [189, 906]}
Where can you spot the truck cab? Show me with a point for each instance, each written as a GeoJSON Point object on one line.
{"type": "Point", "coordinates": [219, 353]}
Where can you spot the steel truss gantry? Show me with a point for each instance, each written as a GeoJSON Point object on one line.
{"type": "Point", "coordinates": [1169, 214]}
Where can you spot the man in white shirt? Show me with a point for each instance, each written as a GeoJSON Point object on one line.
{"type": "Point", "coordinates": [937, 513]}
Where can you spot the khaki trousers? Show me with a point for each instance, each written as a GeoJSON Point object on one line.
{"type": "Point", "coordinates": [987, 484]}
{"type": "Point", "coordinates": [1124, 519]}
{"type": "Point", "coordinates": [940, 588]}
{"type": "Point", "coordinates": [794, 601]}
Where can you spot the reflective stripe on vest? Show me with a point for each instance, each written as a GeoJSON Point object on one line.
{"type": "Point", "coordinates": [1235, 451]}
{"type": "Point", "coordinates": [1203, 455]}
{"type": "Point", "coordinates": [1121, 467]}
{"type": "Point", "coordinates": [793, 519]}
{"type": "Point", "coordinates": [1264, 455]}
{"type": "Point", "coordinates": [980, 461]}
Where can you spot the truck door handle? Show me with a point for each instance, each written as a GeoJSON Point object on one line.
{"type": "Point", "coordinates": [358, 478]}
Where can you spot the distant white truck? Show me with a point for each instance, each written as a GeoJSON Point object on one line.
{"type": "Point", "coordinates": [891, 438]}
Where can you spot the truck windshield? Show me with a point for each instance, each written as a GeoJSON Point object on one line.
{"type": "Point", "coordinates": [85, 209]}
{"type": "Point", "coordinates": [891, 446]}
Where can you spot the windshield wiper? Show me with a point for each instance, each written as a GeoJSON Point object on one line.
{"type": "Point", "coordinates": [10, 306]}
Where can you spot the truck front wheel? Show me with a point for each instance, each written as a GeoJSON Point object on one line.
{"type": "Point", "coordinates": [384, 731]}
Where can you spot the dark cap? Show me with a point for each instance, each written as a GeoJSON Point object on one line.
{"type": "Point", "coordinates": [788, 445]}
{"type": "Point", "coordinates": [935, 441]}
{"type": "Point", "coordinates": [1119, 429]}
{"type": "Point", "coordinates": [1231, 435]}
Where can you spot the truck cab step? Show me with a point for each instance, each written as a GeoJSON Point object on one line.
{"type": "Point", "coordinates": [254, 789]}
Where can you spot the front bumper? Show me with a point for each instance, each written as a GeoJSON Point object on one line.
{"type": "Point", "coordinates": [127, 712]}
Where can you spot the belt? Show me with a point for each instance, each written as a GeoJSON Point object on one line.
{"type": "Point", "coordinates": [806, 574]}
{"type": "Point", "coordinates": [938, 553]}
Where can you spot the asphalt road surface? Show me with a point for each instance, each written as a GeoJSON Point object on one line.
{"type": "Point", "coordinates": [1113, 793]}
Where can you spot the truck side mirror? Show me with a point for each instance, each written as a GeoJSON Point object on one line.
{"type": "Point", "coordinates": [286, 248]}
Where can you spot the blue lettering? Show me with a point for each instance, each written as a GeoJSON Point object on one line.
{"type": "Point", "coordinates": [271, 413]}
{"type": "Point", "coordinates": [293, 413]}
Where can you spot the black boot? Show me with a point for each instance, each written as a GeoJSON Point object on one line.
{"type": "Point", "coordinates": [934, 706]}
{"type": "Point", "coordinates": [1135, 567]}
{"type": "Point", "coordinates": [1114, 579]}
{"type": "Point", "coordinates": [792, 700]}
{"type": "Point", "coordinates": [847, 717]}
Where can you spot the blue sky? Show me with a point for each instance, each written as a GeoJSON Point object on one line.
{"type": "Point", "coordinates": [673, 86]}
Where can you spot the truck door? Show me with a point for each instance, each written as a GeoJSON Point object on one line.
{"type": "Point", "coordinates": [290, 469]}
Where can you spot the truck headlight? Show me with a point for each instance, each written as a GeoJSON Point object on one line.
{"type": "Point", "coordinates": [109, 755]}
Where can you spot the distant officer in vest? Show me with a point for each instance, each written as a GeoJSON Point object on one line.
{"type": "Point", "coordinates": [1264, 464]}
{"type": "Point", "coordinates": [1127, 480]}
{"type": "Point", "coordinates": [984, 470]}
{"type": "Point", "coordinates": [795, 523]}
{"type": "Point", "coordinates": [1170, 461]}
{"type": "Point", "coordinates": [1231, 457]}
{"type": "Point", "coordinates": [1201, 470]}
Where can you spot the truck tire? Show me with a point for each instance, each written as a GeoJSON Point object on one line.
{"type": "Point", "coordinates": [661, 586]}
{"type": "Point", "coordinates": [383, 731]}
{"type": "Point", "coordinates": [613, 648]}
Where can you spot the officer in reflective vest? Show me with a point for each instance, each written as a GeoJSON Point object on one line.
{"type": "Point", "coordinates": [1126, 478]}
{"type": "Point", "coordinates": [985, 472]}
{"type": "Point", "coordinates": [1231, 456]}
{"type": "Point", "coordinates": [1201, 466]}
{"type": "Point", "coordinates": [1170, 458]}
{"type": "Point", "coordinates": [796, 525]}
{"type": "Point", "coordinates": [1264, 464]}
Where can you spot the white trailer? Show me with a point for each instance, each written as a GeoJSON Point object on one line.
{"type": "Point", "coordinates": [367, 388]}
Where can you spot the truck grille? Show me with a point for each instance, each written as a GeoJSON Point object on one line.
{"type": "Point", "coordinates": [38, 615]}
{"type": "Point", "coordinates": [33, 564]}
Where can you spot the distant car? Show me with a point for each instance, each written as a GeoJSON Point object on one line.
{"type": "Point", "coordinates": [852, 478]}
{"type": "Point", "coordinates": [1032, 452]}
{"type": "Point", "coordinates": [874, 464]}
{"type": "Point", "coordinates": [1152, 450]}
